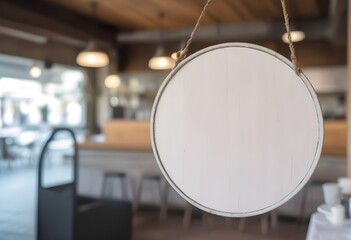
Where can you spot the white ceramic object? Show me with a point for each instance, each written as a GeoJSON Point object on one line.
{"type": "Point", "coordinates": [331, 193]}
{"type": "Point", "coordinates": [235, 131]}
{"type": "Point", "coordinates": [324, 208]}
{"type": "Point", "coordinates": [345, 185]}
{"type": "Point", "coordinates": [335, 214]}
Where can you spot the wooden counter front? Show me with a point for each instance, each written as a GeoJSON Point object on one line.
{"type": "Point", "coordinates": [124, 135]}
{"type": "Point", "coordinates": [335, 138]}
{"type": "Point", "coordinates": [135, 136]}
{"type": "Point", "coordinates": [112, 147]}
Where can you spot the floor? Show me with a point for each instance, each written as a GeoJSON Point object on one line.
{"type": "Point", "coordinates": [17, 198]}
{"type": "Point", "coordinates": [17, 215]}
{"type": "Point", "coordinates": [18, 191]}
{"type": "Point", "coordinates": [148, 227]}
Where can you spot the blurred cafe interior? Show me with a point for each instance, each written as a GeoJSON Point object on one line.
{"type": "Point", "coordinates": [78, 80]}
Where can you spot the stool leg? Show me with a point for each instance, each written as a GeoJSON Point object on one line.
{"type": "Point", "coordinates": [137, 195]}
{"type": "Point", "coordinates": [228, 221]}
{"type": "Point", "coordinates": [135, 181]}
{"type": "Point", "coordinates": [264, 224]}
{"type": "Point", "coordinates": [274, 219]}
{"type": "Point", "coordinates": [242, 223]}
{"type": "Point", "coordinates": [206, 220]}
{"type": "Point", "coordinates": [109, 188]}
{"type": "Point", "coordinates": [104, 188]}
{"type": "Point", "coordinates": [164, 201]}
{"type": "Point", "coordinates": [123, 183]}
{"type": "Point", "coordinates": [303, 206]}
{"type": "Point", "coordinates": [187, 215]}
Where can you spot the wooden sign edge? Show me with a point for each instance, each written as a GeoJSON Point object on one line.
{"type": "Point", "coordinates": [316, 105]}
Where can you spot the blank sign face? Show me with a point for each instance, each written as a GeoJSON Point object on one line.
{"type": "Point", "coordinates": [235, 130]}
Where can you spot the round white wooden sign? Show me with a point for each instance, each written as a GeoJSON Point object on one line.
{"type": "Point", "coordinates": [235, 130]}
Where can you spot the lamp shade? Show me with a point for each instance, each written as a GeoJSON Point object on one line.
{"type": "Point", "coordinates": [160, 61]}
{"type": "Point", "coordinates": [112, 81]}
{"type": "Point", "coordinates": [296, 36]}
{"type": "Point", "coordinates": [175, 55]}
{"type": "Point", "coordinates": [92, 57]}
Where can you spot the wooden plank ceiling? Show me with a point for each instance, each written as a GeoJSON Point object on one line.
{"type": "Point", "coordinates": [144, 14]}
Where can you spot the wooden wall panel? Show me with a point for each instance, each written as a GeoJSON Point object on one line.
{"type": "Point", "coordinates": [313, 53]}
{"type": "Point", "coordinates": [130, 135]}
{"type": "Point", "coordinates": [335, 138]}
{"type": "Point", "coordinates": [141, 14]}
{"type": "Point", "coordinates": [133, 135]}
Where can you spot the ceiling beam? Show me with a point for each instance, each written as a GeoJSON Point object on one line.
{"type": "Point", "coordinates": [253, 31]}
{"type": "Point", "coordinates": [11, 28]}
{"type": "Point", "coordinates": [31, 37]}
{"type": "Point", "coordinates": [46, 19]}
{"type": "Point", "coordinates": [52, 51]}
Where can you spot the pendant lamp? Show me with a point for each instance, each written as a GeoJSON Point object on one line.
{"type": "Point", "coordinates": [35, 71]}
{"type": "Point", "coordinates": [296, 36]}
{"type": "Point", "coordinates": [161, 60]}
{"type": "Point", "coordinates": [175, 55]}
{"type": "Point", "coordinates": [92, 56]}
{"type": "Point", "coordinates": [113, 81]}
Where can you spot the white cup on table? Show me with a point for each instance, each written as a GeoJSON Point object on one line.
{"type": "Point", "coordinates": [331, 193]}
{"type": "Point", "coordinates": [336, 214]}
{"type": "Point", "coordinates": [345, 185]}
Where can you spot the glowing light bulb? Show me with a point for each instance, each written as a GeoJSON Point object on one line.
{"type": "Point", "coordinates": [35, 71]}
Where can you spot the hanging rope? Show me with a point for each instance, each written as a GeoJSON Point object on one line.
{"type": "Point", "coordinates": [183, 52]}
{"type": "Point", "coordinates": [291, 45]}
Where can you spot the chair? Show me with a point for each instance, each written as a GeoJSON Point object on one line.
{"type": "Point", "coordinates": [62, 214]}
{"type": "Point", "coordinates": [22, 146]}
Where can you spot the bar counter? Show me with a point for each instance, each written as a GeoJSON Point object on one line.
{"type": "Point", "coordinates": [88, 145]}
{"type": "Point", "coordinates": [127, 149]}
{"type": "Point", "coordinates": [135, 136]}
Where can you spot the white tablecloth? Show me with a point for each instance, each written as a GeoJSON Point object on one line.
{"type": "Point", "coordinates": [321, 229]}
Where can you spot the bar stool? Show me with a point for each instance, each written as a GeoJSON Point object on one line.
{"type": "Point", "coordinates": [267, 219]}
{"type": "Point", "coordinates": [188, 212]}
{"type": "Point", "coordinates": [163, 189]}
{"type": "Point", "coordinates": [108, 190]}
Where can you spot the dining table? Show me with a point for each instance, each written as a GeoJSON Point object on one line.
{"type": "Point", "coordinates": [320, 228]}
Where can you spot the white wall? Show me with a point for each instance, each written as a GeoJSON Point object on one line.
{"type": "Point", "coordinates": [327, 79]}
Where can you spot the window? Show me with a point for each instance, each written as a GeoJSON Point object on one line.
{"type": "Point", "coordinates": [54, 98]}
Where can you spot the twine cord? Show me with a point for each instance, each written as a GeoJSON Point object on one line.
{"type": "Point", "coordinates": [183, 52]}
{"type": "Point", "coordinates": [291, 45]}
